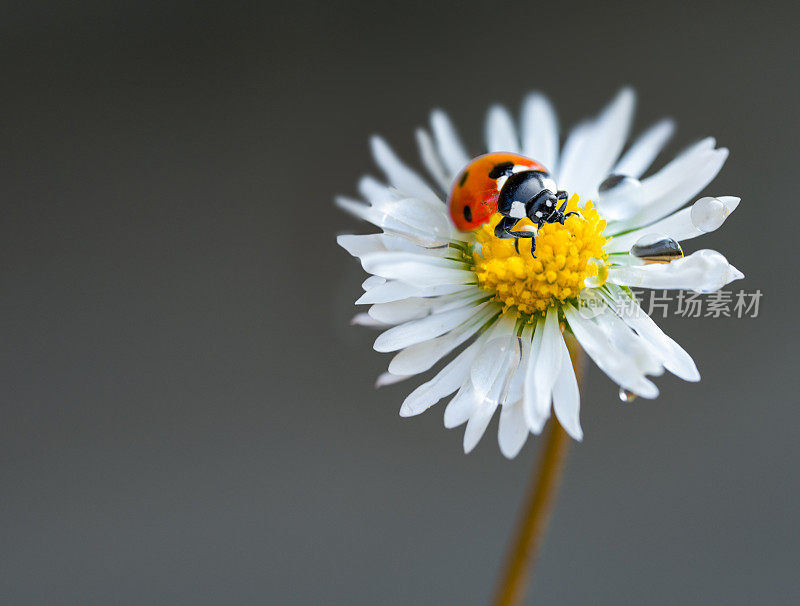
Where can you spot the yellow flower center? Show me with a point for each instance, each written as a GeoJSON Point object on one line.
{"type": "Point", "coordinates": [565, 256]}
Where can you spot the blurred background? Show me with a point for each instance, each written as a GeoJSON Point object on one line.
{"type": "Point", "coordinates": [186, 415]}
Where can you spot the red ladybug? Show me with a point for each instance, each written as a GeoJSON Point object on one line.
{"type": "Point", "coordinates": [473, 199]}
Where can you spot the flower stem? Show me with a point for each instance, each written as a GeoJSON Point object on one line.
{"type": "Point", "coordinates": [538, 504]}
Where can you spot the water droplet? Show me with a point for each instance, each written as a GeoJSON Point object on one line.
{"type": "Point", "coordinates": [708, 214]}
{"type": "Point", "coordinates": [626, 396]}
{"type": "Point", "coordinates": [656, 248]}
{"type": "Point", "coordinates": [619, 197]}
{"type": "Point", "coordinates": [616, 182]}
{"type": "Point", "coordinates": [602, 273]}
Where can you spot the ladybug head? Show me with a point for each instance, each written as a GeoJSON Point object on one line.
{"type": "Point", "coordinates": [523, 187]}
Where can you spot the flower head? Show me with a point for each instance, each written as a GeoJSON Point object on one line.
{"type": "Point", "coordinates": [506, 260]}
{"type": "Point", "coordinates": [566, 256]}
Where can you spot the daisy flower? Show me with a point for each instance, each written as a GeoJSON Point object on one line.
{"type": "Point", "coordinates": [497, 263]}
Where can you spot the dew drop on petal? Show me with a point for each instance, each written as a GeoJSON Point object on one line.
{"type": "Point", "coordinates": [626, 396]}
{"type": "Point", "coordinates": [656, 248]}
{"type": "Point", "coordinates": [610, 182]}
{"type": "Point", "coordinates": [600, 277]}
{"type": "Point", "coordinates": [619, 197]}
{"type": "Point", "coordinates": [708, 214]}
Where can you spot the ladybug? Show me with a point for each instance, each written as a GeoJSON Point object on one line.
{"type": "Point", "coordinates": [473, 199]}
{"type": "Point", "coordinates": [529, 194]}
{"type": "Point", "coordinates": [513, 185]}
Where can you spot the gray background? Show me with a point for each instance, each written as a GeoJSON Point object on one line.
{"type": "Point", "coordinates": [186, 416]}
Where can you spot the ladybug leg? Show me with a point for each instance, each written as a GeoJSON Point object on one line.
{"type": "Point", "coordinates": [562, 195]}
{"type": "Point", "coordinates": [503, 230]}
{"type": "Point", "coordinates": [525, 234]}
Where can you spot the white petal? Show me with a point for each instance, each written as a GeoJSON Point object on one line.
{"type": "Point", "coordinates": [608, 138]}
{"type": "Point", "coordinates": [621, 199]}
{"type": "Point", "coordinates": [360, 245]}
{"type": "Point", "coordinates": [533, 419]}
{"type": "Point", "coordinates": [430, 157]}
{"type": "Point", "coordinates": [674, 358]}
{"type": "Point", "coordinates": [355, 208]}
{"type": "Point", "coordinates": [426, 257]}
{"type": "Point", "coordinates": [418, 331]}
{"type": "Point", "coordinates": [417, 270]}
{"type": "Point", "coordinates": [548, 364]}
{"type": "Point", "coordinates": [399, 243]}
{"type": "Point", "coordinates": [567, 397]}
{"type": "Point", "coordinates": [493, 370]}
{"type": "Point", "coordinates": [610, 360]}
{"type": "Point", "coordinates": [645, 149]}
{"type": "Point", "coordinates": [600, 145]}
{"type": "Point", "coordinates": [634, 350]}
{"type": "Point", "coordinates": [501, 134]}
{"type": "Point", "coordinates": [399, 175]}
{"type": "Point", "coordinates": [517, 387]}
{"type": "Point", "coordinates": [513, 430]}
{"type": "Point", "coordinates": [362, 319]}
{"type": "Point", "coordinates": [666, 177]}
{"type": "Point", "coordinates": [450, 378]}
{"type": "Point", "coordinates": [376, 192]}
{"type": "Point", "coordinates": [419, 307]}
{"type": "Point", "coordinates": [416, 220]}
{"type": "Point", "coordinates": [677, 183]}
{"type": "Point", "coordinates": [422, 356]}
{"type": "Point", "coordinates": [395, 290]}
{"type": "Point", "coordinates": [447, 142]}
{"type": "Point", "coordinates": [702, 271]}
{"type": "Point", "coordinates": [397, 312]}
{"type": "Point", "coordinates": [469, 400]}
{"type": "Point", "coordinates": [569, 164]}
{"type": "Point", "coordinates": [460, 408]}
{"type": "Point", "coordinates": [372, 282]}
{"type": "Point", "coordinates": [540, 131]}
{"type": "Point", "coordinates": [477, 424]}
{"type": "Point", "coordinates": [388, 378]}
{"type": "Point", "coordinates": [678, 226]}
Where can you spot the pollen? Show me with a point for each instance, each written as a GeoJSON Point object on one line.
{"type": "Point", "coordinates": [565, 256]}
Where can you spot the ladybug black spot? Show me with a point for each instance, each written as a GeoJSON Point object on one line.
{"type": "Point", "coordinates": [468, 213]}
{"type": "Point", "coordinates": [501, 170]}
{"type": "Point", "coordinates": [463, 178]}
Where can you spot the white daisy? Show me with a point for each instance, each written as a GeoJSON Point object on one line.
{"type": "Point", "coordinates": [435, 288]}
